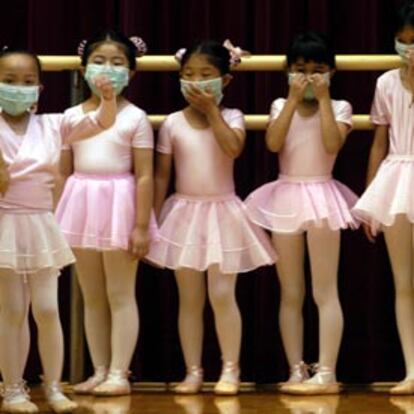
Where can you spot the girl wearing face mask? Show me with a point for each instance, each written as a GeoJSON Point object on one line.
{"type": "Point", "coordinates": [387, 203]}
{"type": "Point", "coordinates": [32, 248]}
{"type": "Point", "coordinates": [307, 206]}
{"type": "Point", "coordinates": [203, 226]}
{"type": "Point", "coordinates": [105, 214]}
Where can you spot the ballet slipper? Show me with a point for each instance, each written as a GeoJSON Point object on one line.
{"type": "Point", "coordinates": [116, 383]}
{"type": "Point", "coordinates": [405, 387]}
{"type": "Point", "coordinates": [193, 381]}
{"type": "Point", "coordinates": [57, 401]}
{"type": "Point", "coordinates": [16, 399]}
{"type": "Point", "coordinates": [229, 382]}
{"type": "Point", "coordinates": [298, 374]}
{"type": "Point", "coordinates": [92, 382]}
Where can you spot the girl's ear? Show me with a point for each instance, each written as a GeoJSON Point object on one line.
{"type": "Point", "coordinates": [227, 78]}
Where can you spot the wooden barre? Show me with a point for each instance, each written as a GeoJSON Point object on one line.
{"type": "Point", "coordinates": [165, 63]}
{"type": "Point", "coordinates": [259, 122]}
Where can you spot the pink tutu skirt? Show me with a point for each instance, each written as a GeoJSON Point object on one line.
{"type": "Point", "coordinates": [98, 211]}
{"type": "Point", "coordinates": [197, 232]}
{"type": "Point", "coordinates": [30, 242]}
{"type": "Point", "coordinates": [293, 204]}
{"type": "Point", "coordinates": [390, 193]}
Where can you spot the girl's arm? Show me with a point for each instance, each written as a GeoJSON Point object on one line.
{"type": "Point", "coordinates": [378, 152]}
{"type": "Point", "coordinates": [143, 170]}
{"type": "Point", "coordinates": [230, 140]}
{"type": "Point", "coordinates": [4, 176]}
{"type": "Point", "coordinates": [93, 123]}
{"type": "Point", "coordinates": [163, 166]}
{"type": "Point", "coordinates": [333, 133]}
{"type": "Point", "coordinates": [65, 170]}
{"type": "Point", "coordinates": [279, 127]}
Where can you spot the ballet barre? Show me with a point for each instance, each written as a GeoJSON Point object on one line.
{"type": "Point", "coordinates": [259, 122]}
{"type": "Point", "coordinates": [254, 63]}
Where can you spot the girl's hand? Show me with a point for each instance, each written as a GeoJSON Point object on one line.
{"type": "Point", "coordinates": [104, 86]}
{"type": "Point", "coordinates": [202, 101]}
{"type": "Point", "coordinates": [139, 242]}
{"type": "Point", "coordinates": [298, 86]}
{"type": "Point", "coordinates": [320, 86]}
{"type": "Point", "coordinates": [368, 232]}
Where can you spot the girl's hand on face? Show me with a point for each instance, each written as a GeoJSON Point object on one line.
{"type": "Point", "coordinates": [298, 86]}
{"type": "Point", "coordinates": [320, 86]}
{"type": "Point", "coordinates": [203, 101]}
{"type": "Point", "coordinates": [105, 87]}
{"type": "Point", "coordinates": [139, 243]}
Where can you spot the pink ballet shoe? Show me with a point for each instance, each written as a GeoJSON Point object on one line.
{"type": "Point", "coordinates": [16, 399]}
{"type": "Point", "coordinates": [92, 382]}
{"type": "Point", "coordinates": [116, 383]}
{"type": "Point", "coordinates": [229, 382]}
{"type": "Point", "coordinates": [193, 381]}
{"type": "Point", "coordinates": [298, 374]}
{"type": "Point", "coordinates": [57, 401]}
{"type": "Point", "coordinates": [322, 383]}
{"type": "Point", "coordinates": [405, 387]}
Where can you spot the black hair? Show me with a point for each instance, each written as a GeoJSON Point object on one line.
{"type": "Point", "coordinates": [7, 51]}
{"type": "Point", "coordinates": [404, 16]}
{"type": "Point", "coordinates": [217, 55]}
{"type": "Point", "coordinates": [311, 46]}
{"type": "Point", "coordinates": [123, 41]}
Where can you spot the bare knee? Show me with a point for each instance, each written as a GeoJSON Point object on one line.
{"type": "Point", "coordinates": [13, 315]}
{"type": "Point", "coordinates": [45, 314]}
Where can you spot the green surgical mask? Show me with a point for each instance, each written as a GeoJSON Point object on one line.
{"type": "Point", "coordinates": [17, 99]}
{"type": "Point", "coordinates": [118, 75]}
{"type": "Point", "coordinates": [213, 86]}
{"type": "Point", "coordinates": [402, 49]}
{"type": "Point", "coordinates": [309, 95]}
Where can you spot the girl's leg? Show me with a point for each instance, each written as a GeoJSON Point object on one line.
{"type": "Point", "coordinates": [43, 287]}
{"type": "Point", "coordinates": [324, 246]}
{"type": "Point", "coordinates": [290, 270]}
{"type": "Point", "coordinates": [13, 316]}
{"type": "Point", "coordinates": [192, 295]}
{"type": "Point", "coordinates": [120, 275]}
{"type": "Point", "coordinates": [399, 240]}
{"type": "Point", "coordinates": [222, 295]}
{"type": "Point", "coordinates": [91, 276]}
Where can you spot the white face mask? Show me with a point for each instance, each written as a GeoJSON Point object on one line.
{"type": "Point", "coordinates": [402, 49]}
{"type": "Point", "coordinates": [213, 86]}
{"type": "Point", "coordinates": [17, 99]}
{"type": "Point", "coordinates": [309, 95]}
{"type": "Point", "coordinates": [118, 75]}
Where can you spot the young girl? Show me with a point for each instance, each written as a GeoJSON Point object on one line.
{"type": "Point", "coordinates": [387, 203]}
{"type": "Point", "coordinates": [305, 204]}
{"type": "Point", "coordinates": [32, 248]}
{"type": "Point", "coordinates": [203, 226]}
{"type": "Point", "coordinates": [104, 213]}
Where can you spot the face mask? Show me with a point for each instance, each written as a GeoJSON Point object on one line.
{"type": "Point", "coordinates": [118, 75]}
{"type": "Point", "coordinates": [402, 49]}
{"type": "Point", "coordinates": [309, 95]}
{"type": "Point", "coordinates": [213, 86]}
{"type": "Point", "coordinates": [16, 99]}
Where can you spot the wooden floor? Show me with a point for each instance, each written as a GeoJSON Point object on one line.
{"type": "Point", "coordinates": [245, 403]}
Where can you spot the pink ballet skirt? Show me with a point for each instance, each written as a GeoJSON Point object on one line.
{"type": "Point", "coordinates": [32, 241]}
{"type": "Point", "coordinates": [292, 204]}
{"type": "Point", "coordinates": [199, 231]}
{"type": "Point", "coordinates": [98, 211]}
{"type": "Point", "coordinates": [390, 193]}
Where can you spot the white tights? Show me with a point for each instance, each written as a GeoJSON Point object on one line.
{"type": "Point", "coordinates": [192, 296]}
{"type": "Point", "coordinates": [400, 243]}
{"type": "Point", "coordinates": [107, 281]}
{"type": "Point", "coordinates": [323, 245]}
{"type": "Point", "coordinates": [15, 295]}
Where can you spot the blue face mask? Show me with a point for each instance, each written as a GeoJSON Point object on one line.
{"type": "Point", "coordinates": [402, 49]}
{"type": "Point", "coordinates": [213, 86]}
{"type": "Point", "coordinates": [118, 75]}
{"type": "Point", "coordinates": [17, 99]}
{"type": "Point", "coordinates": [309, 95]}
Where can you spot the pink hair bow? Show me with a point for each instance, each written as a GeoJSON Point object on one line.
{"type": "Point", "coordinates": [179, 54]}
{"type": "Point", "coordinates": [140, 45]}
{"type": "Point", "coordinates": [81, 47]}
{"type": "Point", "coordinates": [236, 52]}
